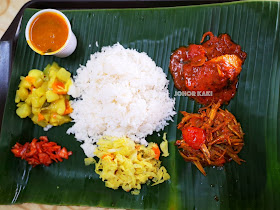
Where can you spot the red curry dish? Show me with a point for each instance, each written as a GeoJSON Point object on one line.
{"type": "Point", "coordinates": [212, 66]}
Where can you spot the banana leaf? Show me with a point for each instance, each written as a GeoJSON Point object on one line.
{"type": "Point", "coordinates": [253, 185]}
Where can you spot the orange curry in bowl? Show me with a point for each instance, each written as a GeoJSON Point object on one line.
{"type": "Point", "coordinates": [48, 32]}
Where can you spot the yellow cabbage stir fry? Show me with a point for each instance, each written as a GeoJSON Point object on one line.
{"type": "Point", "coordinates": [122, 163]}
{"type": "Point", "coordinates": [42, 96]}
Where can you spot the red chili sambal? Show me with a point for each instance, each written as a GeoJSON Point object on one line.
{"type": "Point", "coordinates": [42, 152]}
{"type": "Point", "coordinates": [211, 67]}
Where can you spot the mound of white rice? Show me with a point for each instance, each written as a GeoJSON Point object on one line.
{"type": "Point", "coordinates": [120, 92]}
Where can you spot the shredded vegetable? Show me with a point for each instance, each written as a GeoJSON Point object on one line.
{"type": "Point", "coordinates": [122, 163]}
{"type": "Point", "coordinates": [164, 146]}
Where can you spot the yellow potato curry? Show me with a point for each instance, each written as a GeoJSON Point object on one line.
{"type": "Point", "coordinates": [42, 96]}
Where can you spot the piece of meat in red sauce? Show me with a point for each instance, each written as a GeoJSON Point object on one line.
{"type": "Point", "coordinates": [212, 66]}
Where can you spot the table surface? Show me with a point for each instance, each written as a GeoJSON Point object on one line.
{"type": "Point", "coordinates": [8, 10]}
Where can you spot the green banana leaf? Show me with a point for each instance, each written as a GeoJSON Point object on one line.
{"type": "Point", "coordinates": [253, 185]}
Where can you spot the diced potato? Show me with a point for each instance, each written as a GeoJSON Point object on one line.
{"type": "Point", "coordinates": [23, 111]}
{"type": "Point", "coordinates": [51, 96]}
{"type": "Point", "coordinates": [42, 123]}
{"type": "Point", "coordinates": [35, 90]}
{"type": "Point", "coordinates": [63, 75]}
{"type": "Point", "coordinates": [22, 93]}
{"type": "Point", "coordinates": [54, 119]}
{"type": "Point", "coordinates": [24, 83]}
{"type": "Point", "coordinates": [29, 100]}
{"type": "Point", "coordinates": [46, 70]}
{"type": "Point", "coordinates": [42, 90]}
{"type": "Point", "coordinates": [60, 106]}
{"type": "Point", "coordinates": [20, 104]}
{"type": "Point", "coordinates": [53, 72]}
{"type": "Point", "coordinates": [68, 84]}
{"type": "Point", "coordinates": [38, 82]}
{"type": "Point", "coordinates": [51, 80]}
{"type": "Point", "coordinates": [36, 110]}
{"type": "Point", "coordinates": [47, 115]}
{"type": "Point", "coordinates": [36, 74]}
{"type": "Point", "coordinates": [51, 107]}
{"type": "Point", "coordinates": [55, 66]}
{"type": "Point", "coordinates": [35, 101]}
{"type": "Point", "coordinates": [45, 86]}
{"type": "Point", "coordinates": [65, 119]}
{"type": "Point", "coordinates": [34, 93]}
{"type": "Point", "coordinates": [57, 119]}
{"type": "Point", "coordinates": [42, 100]}
{"type": "Point", "coordinates": [17, 99]}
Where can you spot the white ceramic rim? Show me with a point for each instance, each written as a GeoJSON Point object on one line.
{"type": "Point", "coordinates": [30, 22]}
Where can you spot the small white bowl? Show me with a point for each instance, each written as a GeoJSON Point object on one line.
{"type": "Point", "coordinates": [67, 49]}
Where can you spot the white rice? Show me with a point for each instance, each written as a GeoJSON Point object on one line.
{"type": "Point", "coordinates": [120, 92]}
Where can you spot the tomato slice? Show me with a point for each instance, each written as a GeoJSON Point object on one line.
{"type": "Point", "coordinates": [194, 136]}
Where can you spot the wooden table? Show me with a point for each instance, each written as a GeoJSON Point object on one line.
{"type": "Point", "coordinates": [8, 10]}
